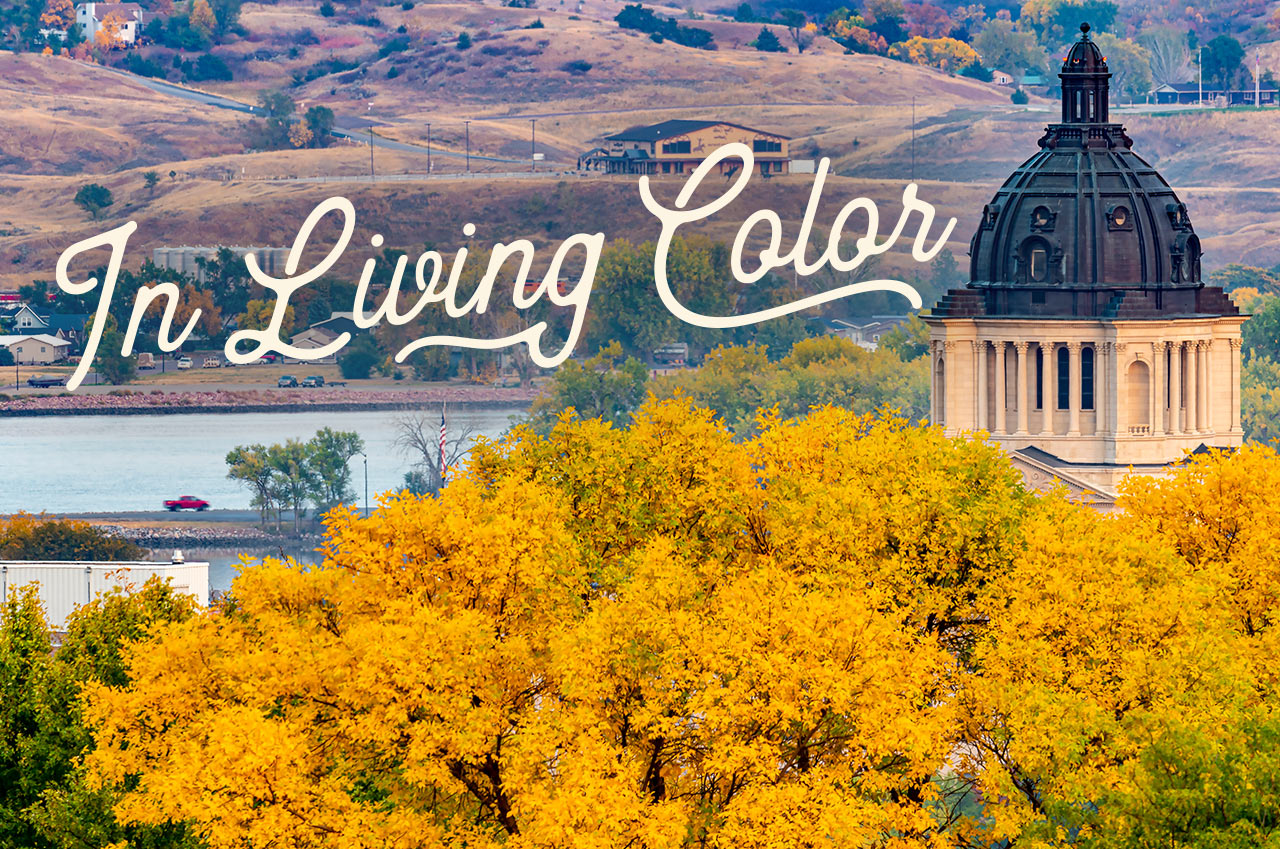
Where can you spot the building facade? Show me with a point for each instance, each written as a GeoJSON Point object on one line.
{"type": "Point", "coordinates": [678, 147]}
{"type": "Point", "coordinates": [1086, 342]}
{"type": "Point", "coordinates": [126, 17]}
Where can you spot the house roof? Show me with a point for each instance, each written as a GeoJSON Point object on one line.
{"type": "Point", "coordinates": [337, 324]}
{"type": "Point", "coordinates": [101, 10]}
{"type": "Point", "coordinates": [677, 127]}
{"type": "Point", "coordinates": [73, 322]}
{"type": "Point", "coordinates": [43, 338]}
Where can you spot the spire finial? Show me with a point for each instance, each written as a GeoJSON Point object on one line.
{"type": "Point", "coordinates": [1084, 29]}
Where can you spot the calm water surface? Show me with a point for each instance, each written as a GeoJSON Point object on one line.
{"type": "Point", "coordinates": [84, 464]}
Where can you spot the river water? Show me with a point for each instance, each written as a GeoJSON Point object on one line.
{"type": "Point", "coordinates": [106, 464]}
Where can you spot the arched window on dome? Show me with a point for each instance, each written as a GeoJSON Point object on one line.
{"type": "Point", "coordinates": [1193, 259]}
{"type": "Point", "coordinates": [1035, 261]}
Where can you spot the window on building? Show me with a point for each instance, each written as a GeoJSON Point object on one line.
{"type": "Point", "coordinates": [677, 147]}
{"type": "Point", "coordinates": [766, 146]}
{"type": "Point", "coordinates": [1086, 378]}
{"type": "Point", "coordinates": [1039, 378]}
{"type": "Point", "coordinates": [1039, 264]}
{"type": "Point", "coordinates": [1064, 379]}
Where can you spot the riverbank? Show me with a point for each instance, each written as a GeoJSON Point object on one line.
{"type": "Point", "coordinates": [157, 402]}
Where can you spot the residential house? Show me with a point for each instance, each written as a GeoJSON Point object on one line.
{"type": "Point", "coordinates": [35, 348]}
{"type": "Point", "coordinates": [680, 146]}
{"type": "Point", "coordinates": [65, 326]}
{"type": "Point", "coordinates": [127, 17]}
{"type": "Point", "coordinates": [1002, 77]}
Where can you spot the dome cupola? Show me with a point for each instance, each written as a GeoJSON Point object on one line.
{"type": "Point", "coordinates": [1085, 227]}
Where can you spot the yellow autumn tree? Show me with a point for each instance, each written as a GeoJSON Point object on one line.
{"type": "Point", "coordinates": [108, 35]}
{"type": "Point", "coordinates": [844, 630]}
{"type": "Point", "coordinates": [300, 135]}
{"type": "Point", "coordinates": [202, 17]}
{"type": "Point", "coordinates": [58, 14]}
{"type": "Point", "coordinates": [665, 637]}
{"type": "Point", "coordinates": [947, 54]}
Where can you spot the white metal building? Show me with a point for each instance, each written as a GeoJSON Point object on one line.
{"type": "Point", "coordinates": [64, 585]}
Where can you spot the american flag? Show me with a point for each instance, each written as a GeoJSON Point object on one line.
{"type": "Point", "coordinates": [444, 468]}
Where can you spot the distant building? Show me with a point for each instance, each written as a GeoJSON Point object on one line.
{"type": "Point", "coordinates": [25, 320]}
{"type": "Point", "coordinates": [66, 585]}
{"type": "Point", "coordinates": [128, 17]}
{"type": "Point", "coordinates": [1002, 78]}
{"type": "Point", "coordinates": [35, 348]}
{"type": "Point", "coordinates": [1182, 93]}
{"type": "Point", "coordinates": [679, 146]}
{"type": "Point", "coordinates": [865, 333]}
{"type": "Point", "coordinates": [324, 332]}
{"type": "Point", "coordinates": [184, 258]}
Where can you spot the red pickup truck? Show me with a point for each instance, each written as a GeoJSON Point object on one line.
{"type": "Point", "coordinates": [186, 502]}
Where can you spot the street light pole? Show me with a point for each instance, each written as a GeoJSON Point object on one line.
{"type": "Point", "coordinates": [1200, 75]}
{"type": "Point", "coordinates": [428, 147]}
{"type": "Point", "coordinates": [371, 178]}
{"type": "Point", "coordinates": [533, 135]}
{"type": "Point", "coordinates": [467, 124]}
{"type": "Point", "coordinates": [366, 484]}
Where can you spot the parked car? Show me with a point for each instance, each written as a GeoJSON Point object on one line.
{"type": "Point", "coordinates": [267, 358]}
{"type": "Point", "coordinates": [287, 380]}
{"type": "Point", "coordinates": [184, 363]}
{"type": "Point", "coordinates": [186, 502]}
{"type": "Point", "coordinates": [45, 381]}
{"type": "Point", "coordinates": [211, 362]}
{"type": "Point", "coordinates": [146, 361]}
{"type": "Point", "coordinates": [313, 380]}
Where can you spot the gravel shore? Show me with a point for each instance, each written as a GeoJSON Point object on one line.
{"type": "Point", "coordinates": [129, 402]}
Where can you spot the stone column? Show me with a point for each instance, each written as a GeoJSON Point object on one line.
{"type": "Point", "coordinates": [1191, 422]}
{"type": "Point", "coordinates": [1157, 387]}
{"type": "Point", "coordinates": [1175, 387]}
{"type": "Point", "coordinates": [1234, 370]}
{"type": "Point", "coordinates": [933, 381]}
{"type": "Point", "coordinates": [1001, 402]}
{"type": "Point", "coordinates": [1048, 388]}
{"type": "Point", "coordinates": [1202, 386]}
{"type": "Point", "coordinates": [980, 363]}
{"type": "Point", "coordinates": [949, 385]}
{"type": "Point", "coordinates": [1073, 396]}
{"type": "Point", "coordinates": [1115, 384]}
{"type": "Point", "coordinates": [1023, 419]}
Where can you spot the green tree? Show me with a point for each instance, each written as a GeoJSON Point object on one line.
{"type": "Point", "coordinates": [360, 358]}
{"type": "Point", "coordinates": [45, 801]}
{"type": "Point", "coordinates": [767, 42]}
{"type": "Point", "coordinates": [250, 465]}
{"type": "Point", "coordinates": [908, 340]}
{"type": "Point", "coordinates": [320, 122]}
{"type": "Point", "coordinates": [625, 303]}
{"type": "Point", "coordinates": [294, 478]}
{"type": "Point", "coordinates": [150, 179]}
{"type": "Point", "coordinates": [464, 41]}
{"type": "Point", "coordinates": [795, 20]}
{"type": "Point", "coordinates": [110, 363]}
{"type": "Point", "coordinates": [27, 537]}
{"type": "Point", "coordinates": [94, 199]}
{"type": "Point", "coordinates": [1129, 63]}
{"type": "Point", "coordinates": [1261, 333]}
{"type": "Point", "coordinates": [1223, 61]}
{"type": "Point", "coordinates": [329, 453]}
{"type": "Point", "coordinates": [1006, 48]}
{"type": "Point", "coordinates": [605, 387]}
{"type": "Point", "coordinates": [1260, 399]}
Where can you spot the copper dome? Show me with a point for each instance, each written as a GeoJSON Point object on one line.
{"type": "Point", "coordinates": [1085, 227]}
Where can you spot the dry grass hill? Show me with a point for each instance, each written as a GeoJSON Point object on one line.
{"type": "Point", "coordinates": [69, 123]}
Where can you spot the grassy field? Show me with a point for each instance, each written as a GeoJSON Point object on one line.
{"type": "Point", "coordinates": [69, 123]}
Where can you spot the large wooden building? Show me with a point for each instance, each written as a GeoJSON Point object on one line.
{"type": "Point", "coordinates": [1086, 341]}
{"type": "Point", "coordinates": [679, 146]}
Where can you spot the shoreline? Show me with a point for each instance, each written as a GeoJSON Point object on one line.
{"type": "Point", "coordinates": [259, 401]}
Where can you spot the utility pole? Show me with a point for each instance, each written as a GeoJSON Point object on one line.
{"type": "Point", "coordinates": [428, 147]}
{"type": "Point", "coordinates": [467, 124]}
{"type": "Point", "coordinates": [913, 139]}
{"type": "Point", "coordinates": [1200, 76]}
{"type": "Point", "coordinates": [533, 134]}
{"type": "Point", "coordinates": [1257, 86]}
{"type": "Point", "coordinates": [371, 178]}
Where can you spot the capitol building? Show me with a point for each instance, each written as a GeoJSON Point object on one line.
{"type": "Point", "coordinates": [1086, 342]}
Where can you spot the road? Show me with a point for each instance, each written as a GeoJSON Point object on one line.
{"type": "Point", "coordinates": [342, 126]}
{"type": "Point", "coordinates": [184, 516]}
